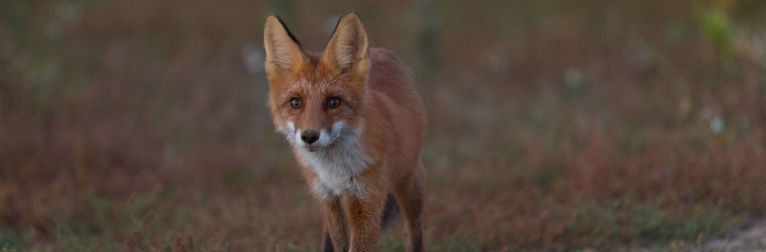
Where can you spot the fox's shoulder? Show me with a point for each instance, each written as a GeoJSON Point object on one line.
{"type": "Point", "coordinates": [388, 72]}
{"type": "Point", "coordinates": [392, 78]}
{"type": "Point", "coordinates": [386, 60]}
{"type": "Point", "coordinates": [384, 55]}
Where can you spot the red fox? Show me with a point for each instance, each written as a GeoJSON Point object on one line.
{"type": "Point", "coordinates": [356, 124]}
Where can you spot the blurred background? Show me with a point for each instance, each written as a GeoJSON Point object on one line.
{"type": "Point", "coordinates": [142, 125]}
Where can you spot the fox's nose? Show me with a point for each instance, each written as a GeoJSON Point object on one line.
{"type": "Point", "coordinates": [309, 136]}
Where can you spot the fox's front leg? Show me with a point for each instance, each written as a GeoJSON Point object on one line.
{"type": "Point", "coordinates": [364, 220]}
{"type": "Point", "coordinates": [335, 224]}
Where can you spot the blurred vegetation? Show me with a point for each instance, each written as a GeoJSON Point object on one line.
{"type": "Point", "coordinates": [141, 125]}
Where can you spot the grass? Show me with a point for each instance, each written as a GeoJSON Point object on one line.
{"type": "Point", "coordinates": [141, 125]}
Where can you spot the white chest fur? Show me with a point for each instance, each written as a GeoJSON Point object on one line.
{"type": "Point", "coordinates": [336, 167]}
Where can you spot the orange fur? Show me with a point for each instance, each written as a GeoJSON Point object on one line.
{"type": "Point", "coordinates": [367, 147]}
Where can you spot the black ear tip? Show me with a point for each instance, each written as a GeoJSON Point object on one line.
{"type": "Point", "coordinates": [282, 22]}
{"type": "Point", "coordinates": [274, 15]}
{"type": "Point", "coordinates": [351, 12]}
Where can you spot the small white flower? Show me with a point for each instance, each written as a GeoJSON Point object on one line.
{"type": "Point", "coordinates": [252, 58]}
{"type": "Point", "coordinates": [574, 79]}
{"type": "Point", "coordinates": [717, 124]}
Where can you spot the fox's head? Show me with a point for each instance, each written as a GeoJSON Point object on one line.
{"type": "Point", "coordinates": [315, 99]}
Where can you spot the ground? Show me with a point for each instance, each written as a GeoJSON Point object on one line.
{"type": "Point", "coordinates": [142, 125]}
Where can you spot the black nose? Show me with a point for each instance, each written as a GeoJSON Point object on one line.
{"type": "Point", "coordinates": [309, 136]}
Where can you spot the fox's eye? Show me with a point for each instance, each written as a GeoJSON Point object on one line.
{"type": "Point", "coordinates": [333, 102]}
{"type": "Point", "coordinates": [295, 103]}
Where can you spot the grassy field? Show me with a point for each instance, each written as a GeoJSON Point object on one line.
{"type": "Point", "coordinates": [555, 125]}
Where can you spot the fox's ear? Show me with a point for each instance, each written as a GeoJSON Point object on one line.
{"type": "Point", "coordinates": [283, 51]}
{"type": "Point", "coordinates": [347, 48]}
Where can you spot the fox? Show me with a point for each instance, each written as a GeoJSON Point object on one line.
{"type": "Point", "coordinates": [356, 125]}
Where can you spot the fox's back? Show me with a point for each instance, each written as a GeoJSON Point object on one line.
{"type": "Point", "coordinates": [393, 89]}
{"type": "Point", "coordinates": [391, 76]}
